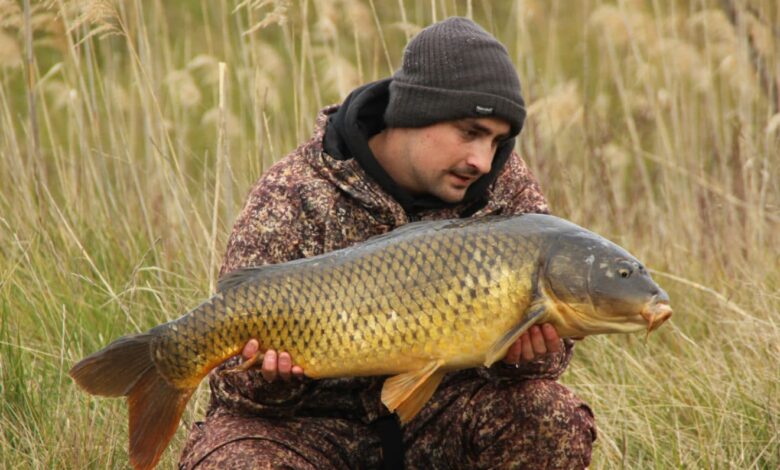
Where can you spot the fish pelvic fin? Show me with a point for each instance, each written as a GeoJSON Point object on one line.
{"type": "Point", "coordinates": [498, 350]}
{"type": "Point", "coordinates": [125, 368]}
{"type": "Point", "coordinates": [407, 393]}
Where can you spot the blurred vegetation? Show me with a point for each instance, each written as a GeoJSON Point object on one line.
{"type": "Point", "coordinates": [126, 153]}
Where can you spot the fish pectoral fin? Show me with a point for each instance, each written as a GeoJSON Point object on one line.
{"type": "Point", "coordinates": [407, 393]}
{"type": "Point", "coordinates": [500, 347]}
{"type": "Point", "coordinates": [246, 365]}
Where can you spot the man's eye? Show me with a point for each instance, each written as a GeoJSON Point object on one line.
{"type": "Point", "coordinates": [470, 133]}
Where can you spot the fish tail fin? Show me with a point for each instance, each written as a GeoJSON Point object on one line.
{"type": "Point", "coordinates": [114, 370]}
{"type": "Point", "coordinates": [155, 408]}
{"type": "Point", "coordinates": [126, 368]}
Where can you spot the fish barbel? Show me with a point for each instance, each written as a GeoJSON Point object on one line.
{"type": "Point", "coordinates": [422, 300]}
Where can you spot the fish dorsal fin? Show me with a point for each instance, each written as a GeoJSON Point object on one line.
{"type": "Point", "coordinates": [407, 232]}
{"type": "Point", "coordinates": [239, 276]}
{"type": "Point", "coordinates": [407, 393]}
{"type": "Point", "coordinates": [500, 347]}
{"type": "Point", "coordinates": [423, 227]}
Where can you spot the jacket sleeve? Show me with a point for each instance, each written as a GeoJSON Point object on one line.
{"type": "Point", "coordinates": [519, 192]}
{"type": "Point", "coordinates": [270, 229]}
{"type": "Point", "coordinates": [550, 366]}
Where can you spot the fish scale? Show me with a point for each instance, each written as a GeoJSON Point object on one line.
{"type": "Point", "coordinates": [417, 302]}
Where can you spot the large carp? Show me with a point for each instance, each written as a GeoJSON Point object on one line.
{"type": "Point", "coordinates": [422, 300]}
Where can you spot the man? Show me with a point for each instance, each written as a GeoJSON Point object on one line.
{"type": "Point", "coordinates": [434, 141]}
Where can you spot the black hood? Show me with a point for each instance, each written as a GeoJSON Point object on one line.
{"type": "Point", "coordinates": [360, 117]}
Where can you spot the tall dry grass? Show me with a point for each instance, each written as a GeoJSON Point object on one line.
{"type": "Point", "coordinates": [126, 150]}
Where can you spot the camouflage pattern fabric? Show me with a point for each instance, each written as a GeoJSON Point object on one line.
{"type": "Point", "coordinates": [307, 204]}
{"type": "Point", "coordinates": [470, 423]}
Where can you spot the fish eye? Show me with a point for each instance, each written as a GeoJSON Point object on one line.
{"type": "Point", "coordinates": [624, 272]}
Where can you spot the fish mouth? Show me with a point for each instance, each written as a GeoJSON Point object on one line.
{"type": "Point", "coordinates": [655, 314]}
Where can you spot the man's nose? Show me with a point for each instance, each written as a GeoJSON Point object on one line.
{"type": "Point", "coordinates": [481, 157]}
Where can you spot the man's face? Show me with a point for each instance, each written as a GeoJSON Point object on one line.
{"type": "Point", "coordinates": [444, 159]}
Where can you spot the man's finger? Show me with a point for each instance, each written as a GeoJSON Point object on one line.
{"type": "Point", "coordinates": [270, 366]}
{"type": "Point", "coordinates": [551, 338]}
{"type": "Point", "coordinates": [250, 349]}
{"type": "Point", "coordinates": [527, 348]}
{"type": "Point", "coordinates": [537, 341]}
{"type": "Point", "coordinates": [285, 365]}
{"type": "Point", "coordinates": [513, 353]}
{"type": "Point", "coordinates": [297, 372]}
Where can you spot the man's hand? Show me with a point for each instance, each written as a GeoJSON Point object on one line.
{"type": "Point", "coordinates": [273, 367]}
{"type": "Point", "coordinates": [534, 343]}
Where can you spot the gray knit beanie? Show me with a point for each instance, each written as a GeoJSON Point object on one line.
{"type": "Point", "coordinates": [452, 70]}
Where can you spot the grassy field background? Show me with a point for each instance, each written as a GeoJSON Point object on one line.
{"type": "Point", "coordinates": [126, 151]}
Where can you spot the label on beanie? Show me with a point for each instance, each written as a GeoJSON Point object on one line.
{"type": "Point", "coordinates": [484, 110]}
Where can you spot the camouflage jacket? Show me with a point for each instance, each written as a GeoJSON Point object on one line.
{"type": "Point", "coordinates": [309, 203]}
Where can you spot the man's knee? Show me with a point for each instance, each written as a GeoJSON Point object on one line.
{"type": "Point", "coordinates": [227, 442]}
{"type": "Point", "coordinates": [555, 408]}
{"type": "Point", "coordinates": [229, 446]}
{"type": "Point", "coordinates": [259, 454]}
{"type": "Point", "coordinates": [534, 424]}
